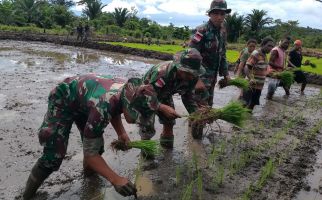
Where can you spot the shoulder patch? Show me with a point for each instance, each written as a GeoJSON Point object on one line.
{"type": "Point", "coordinates": [197, 37]}
{"type": "Point", "coordinates": [160, 83]}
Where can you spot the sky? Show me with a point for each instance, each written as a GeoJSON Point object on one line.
{"type": "Point", "coordinates": [193, 12]}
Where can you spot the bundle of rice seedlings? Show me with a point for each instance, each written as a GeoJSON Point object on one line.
{"type": "Point", "coordinates": [287, 77]}
{"type": "Point", "coordinates": [234, 113]}
{"type": "Point", "coordinates": [150, 147]}
{"type": "Point", "coordinates": [238, 82]}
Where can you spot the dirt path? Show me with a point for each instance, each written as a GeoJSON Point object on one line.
{"type": "Point", "coordinates": [229, 160]}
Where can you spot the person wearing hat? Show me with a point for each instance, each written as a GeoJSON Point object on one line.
{"type": "Point", "coordinates": [210, 40]}
{"type": "Point", "coordinates": [168, 78]}
{"type": "Point", "coordinates": [91, 101]}
{"type": "Point", "coordinates": [295, 61]}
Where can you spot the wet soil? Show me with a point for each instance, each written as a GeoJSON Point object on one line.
{"type": "Point", "coordinates": [228, 163]}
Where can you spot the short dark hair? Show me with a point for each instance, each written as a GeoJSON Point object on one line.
{"type": "Point", "coordinates": [251, 41]}
{"type": "Point", "coordinates": [266, 40]}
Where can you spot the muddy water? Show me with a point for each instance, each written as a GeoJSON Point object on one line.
{"type": "Point", "coordinates": [314, 189]}
{"type": "Point", "coordinates": [30, 70]}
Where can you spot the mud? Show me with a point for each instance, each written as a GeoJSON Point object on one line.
{"type": "Point", "coordinates": [227, 160]}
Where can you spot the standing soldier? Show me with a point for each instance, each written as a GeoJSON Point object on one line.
{"type": "Point", "coordinates": [91, 101]}
{"type": "Point", "coordinates": [80, 32]}
{"type": "Point", "coordinates": [86, 31]}
{"type": "Point", "coordinates": [168, 78]}
{"type": "Point", "coordinates": [210, 40]}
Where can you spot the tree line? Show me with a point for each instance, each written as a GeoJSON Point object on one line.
{"type": "Point", "coordinates": [56, 14]}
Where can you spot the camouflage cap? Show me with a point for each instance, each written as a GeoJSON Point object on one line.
{"type": "Point", "coordinates": [189, 60]}
{"type": "Point", "coordinates": [218, 5]}
{"type": "Point", "coordinates": [138, 99]}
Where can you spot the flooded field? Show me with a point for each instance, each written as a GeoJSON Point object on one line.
{"type": "Point", "coordinates": [268, 159]}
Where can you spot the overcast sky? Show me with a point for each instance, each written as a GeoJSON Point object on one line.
{"type": "Point", "coordinates": [192, 12]}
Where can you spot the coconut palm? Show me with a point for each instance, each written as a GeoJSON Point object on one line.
{"type": "Point", "coordinates": [256, 21]}
{"type": "Point", "coordinates": [66, 3]}
{"type": "Point", "coordinates": [234, 25]}
{"type": "Point", "coordinates": [28, 8]}
{"type": "Point", "coordinates": [121, 15]}
{"type": "Point", "coordinates": [93, 8]}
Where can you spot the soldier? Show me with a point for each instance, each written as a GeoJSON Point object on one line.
{"type": "Point", "coordinates": [210, 40]}
{"type": "Point", "coordinates": [91, 101]}
{"type": "Point", "coordinates": [86, 31]}
{"type": "Point", "coordinates": [168, 78]}
{"type": "Point", "coordinates": [277, 63]}
{"type": "Point", "coordinates": [80, 32]}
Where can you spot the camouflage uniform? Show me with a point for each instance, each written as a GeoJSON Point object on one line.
{"type": "Point", "coordinates": [90, 101]}
{"type": "Point", "coordinates": [162, 77]}
{"type": "Point", "coordinates": [210, 41]}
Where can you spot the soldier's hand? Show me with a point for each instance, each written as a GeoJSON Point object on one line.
{"type": "Point", "coordinates": [125, 138]}
{"type": "Point", "coordinates": [168, 111]}
{"type": "Point", "coordinates": [125, 187]}
{"type": "Point", "coordinates": [200, 86]}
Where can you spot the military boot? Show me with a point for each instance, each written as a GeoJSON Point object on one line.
{"type": "Point", "coordinates": [36, 178]}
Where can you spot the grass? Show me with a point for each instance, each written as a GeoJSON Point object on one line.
{"type": "Point", "coordinates": [267, 172]}
{"type": "Point", "coordinates": [187, 193]}
{"type": "Point", "coordinates": [316, 61]}
{"type": "Point", "coordinates": [33, 29]}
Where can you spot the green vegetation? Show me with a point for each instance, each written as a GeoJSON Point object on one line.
{"type": "Point", "coordinates": [316, 61]}
{"type": "Point", "coordinates": [286, 77]}
{"type": "Point", "coordinates": [238, 82]}
{"type": "Point", "coordinates": [171, 49]}
{"type": "Point", "coordinates": [150, 147]}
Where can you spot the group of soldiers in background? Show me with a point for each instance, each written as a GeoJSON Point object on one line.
{"type": "Point", "coordinates": [82, 32]}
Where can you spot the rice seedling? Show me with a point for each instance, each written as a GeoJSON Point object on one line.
{"type": "Point", "coordinates": [287, 77]}
{"type": "Point", "coordinates": [199, 185]}
{"type": "Point", "coordinates": [187, 193]}
{"type": "Point", "coordinates": [150, 147]}
{"type": "Point", "coordinates": [238, 82]}
{"type": "Point", "coordinates": [178, 175]}
{"type": "Point", "coordinates": [234, 113]}
{"type": "Point", "coordinates": [248, 193]}
{"type": "Point", "coordinates": [267, 172]}
{"type": "Point", "coordinates": [194, 161]}
{"type": "Point", "coordinates": [219, 177]}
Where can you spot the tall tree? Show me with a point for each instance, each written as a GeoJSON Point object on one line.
{"type": "Point", "coordinates": [255, 22]}
{"type": "Point", "coordinates": [121, 15]}
{"type": "Point", "coordinates": [234, 25]}
{"type": "Point", "coordinates": [93, 8]}
{"type": "Point", "coordinates": [67, 3]}
{"type": "Point", "coordinates": [28, 8]}
{"type": "Point", "coordinates": [6, 12]}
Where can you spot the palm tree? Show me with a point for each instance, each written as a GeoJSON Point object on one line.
{"type": "Point", "coordinates": [93, 8]}
{"type": "Point", "coordinates": [121, 15]}
{"type": "Point", "coordinates": [234, 25]}
{"type": "Point", "coordinates": [256, 21]}
{"type": "Point", "coordinates": [29, 8]}
{"type": "Point", "coordinates": [66, 3]}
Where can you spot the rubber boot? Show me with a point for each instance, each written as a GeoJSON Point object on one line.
{"type": "Point", "coordinates": [36, 178]}
{"type": "Point", "coordinates": [197, 131]}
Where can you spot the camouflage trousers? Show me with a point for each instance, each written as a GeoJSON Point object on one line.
{"type": "Point", "coordinates": [205, 97]}
{"type": "Point", "coordinates": [55, 129]}
{"type": "Point", "coordinates": [147, 132]}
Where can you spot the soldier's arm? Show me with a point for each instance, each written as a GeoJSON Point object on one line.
{"type": "Point", "coordinates": [93, 142]}
{"type": "Point", "coordinates": [196, 39]}
{"type": "Point", "coordinates": [223, 63]}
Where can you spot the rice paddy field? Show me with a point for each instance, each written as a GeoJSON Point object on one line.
{"type": "Point", "coordinates": [275, 155]}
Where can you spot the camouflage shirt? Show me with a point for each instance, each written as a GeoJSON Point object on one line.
{"type": "Point", "coordinates": [93, 96]}
{"type": "Point", "coordinates": [165, 83]}
{"type": "Point", "coordinates": [210, 41]}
